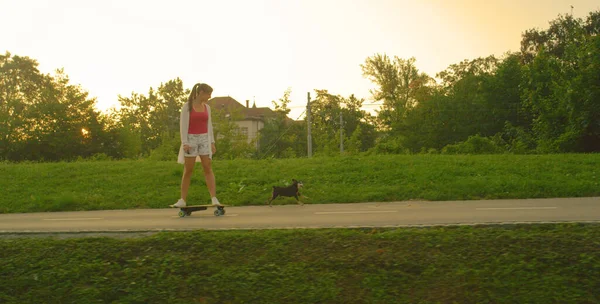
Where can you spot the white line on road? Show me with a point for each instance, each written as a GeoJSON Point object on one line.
{"type": "Point", "coordinates": [75, 219]}
{"type": "Point", "coordinates": [354, 212]}
{"type": "Point", "coordinates": [518, 208]}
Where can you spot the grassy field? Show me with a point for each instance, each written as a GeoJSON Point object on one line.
{"type": "Point", "coordinates": [549, 263]}
{"type": "Point", "coordinates": [35, 187]}
{"type": "Point", "coordinates": [501, 264]}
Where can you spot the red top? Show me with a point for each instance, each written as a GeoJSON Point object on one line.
{"type": "Point", "coordinates": [198, 122]}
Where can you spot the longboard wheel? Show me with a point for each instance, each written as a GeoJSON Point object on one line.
{"type": "Point", "coordinates": [181, 213]}
{"type": "Point", "coordinates": [217, 213]}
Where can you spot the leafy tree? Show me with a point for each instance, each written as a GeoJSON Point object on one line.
{"type": "Point", "coordinates": [153, 115]}
{"type": "Point", "coordinates": [326, 110]}
{"type": "Point", "coordinates": [561, 90]}
{"type": "Point", "coordinates": [20, 83]}
{"type": "Point", "coordinates": [281, 136]}
{"type": "Point", "coordinates": [398, 82]}
{"type": "Point", "coordinates": [450, 113]}
{"type": "Point", "coordinates": [230, 143]}
{"type": "Point", "coordinates": [44, 117]}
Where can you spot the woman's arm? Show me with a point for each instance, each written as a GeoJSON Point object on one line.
{"type": "Point", "coordinates": [184, 123]}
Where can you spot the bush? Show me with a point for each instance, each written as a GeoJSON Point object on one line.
{"type": "Point", "coordinates": [95, 157]}
{"type": "Point", "coordinates": [519, 141]}
{"type": "Point", "coordinates": [168, 149]}
{"type": "Point", "coordinates": [389, 145]}
{"type": "Point", "coordinates": [476, 145]}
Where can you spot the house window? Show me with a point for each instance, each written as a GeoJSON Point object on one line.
{"type": "Point", "coordinates": [244, 131]}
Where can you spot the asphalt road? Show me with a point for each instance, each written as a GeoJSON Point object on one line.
{"type": "Point", "coordinates": [389, 214]}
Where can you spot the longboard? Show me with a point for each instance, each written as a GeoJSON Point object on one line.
{"type": "Point", "coordinates": [187, 210]}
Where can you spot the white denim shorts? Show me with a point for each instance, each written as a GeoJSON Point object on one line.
{"type": "Point", "coordinates": [199, 145]}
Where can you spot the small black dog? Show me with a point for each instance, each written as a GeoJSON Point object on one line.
{"type": "Point", "coordinates": [291, 190]}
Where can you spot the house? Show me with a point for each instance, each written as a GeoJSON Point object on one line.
{"type": "Point", "coordinates": [252, 118]}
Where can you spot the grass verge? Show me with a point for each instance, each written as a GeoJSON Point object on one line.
{"type": "Point", "coordinates": [106, 185]}
{"type": "Point", "coordinates": [546, 263]}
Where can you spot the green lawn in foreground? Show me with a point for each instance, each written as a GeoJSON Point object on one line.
{"type": "Point", "coordinates": [149, 184]}
{"type": "Point", "coordinates": [557, 263]}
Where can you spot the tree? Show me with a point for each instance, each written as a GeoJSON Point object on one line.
{"type": "Point", "coordinates": [281, 136]}
{"type": "Point", "coordinates": [66, 124]}
{"type": "Point", "coordinates": [154, 115]}
{"type": "Point", "coordinates": [562, 31]}
{"type": "Point", "coordinates": [230, 142]}
{"type": "Point", "coordinates": [44, 117]}
{"type": "Point", "coordinates": [561, 90]}
{"type": "Point", "coordinates": [449, 113]}
{"type": "Point", "coordinates": [553, 40]}
{"type": "Point", "coordinates": [504, 96]}
{"type": "Point", "coordinates": [358, 125]}
{"type": "Point", "coordinates": [398, 82]}
{"type": "Point", "coordinates": [20, 83]}
{"type": "Point", "coordinates": [326, 109]}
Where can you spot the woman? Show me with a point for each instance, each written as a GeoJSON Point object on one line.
{"type": "Point", "coordinates": [197, 141]}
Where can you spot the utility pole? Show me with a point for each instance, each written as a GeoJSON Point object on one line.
{"type": "Point", "coordinates": [341, 133]}
{"type": "Point", "coordinates": [309, 138]}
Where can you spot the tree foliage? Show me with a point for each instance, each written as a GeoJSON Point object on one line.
{"type": "Point", "coordinates": [543, 99]}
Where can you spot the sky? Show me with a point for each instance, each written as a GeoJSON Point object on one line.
{"type": "Point", "coordinates": [256, 49]}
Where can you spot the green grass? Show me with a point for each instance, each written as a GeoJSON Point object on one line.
{"type": "Point", "coordinates": [481, 264]}
{"type": "Point", "coordinates": [503, 264]}
{"type": "Point", "coordinates": [35, 187]}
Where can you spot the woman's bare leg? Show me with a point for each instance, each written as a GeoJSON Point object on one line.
{"type": "Point", "coordinates": [188, 169]}
{"type": "Point", "coordinates": [209, 176]}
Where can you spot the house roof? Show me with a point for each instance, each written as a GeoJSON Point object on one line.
{"type": "Point", "coordinates": [231, 104]}
{"type": "Point", "coordinates": [227, 102]}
